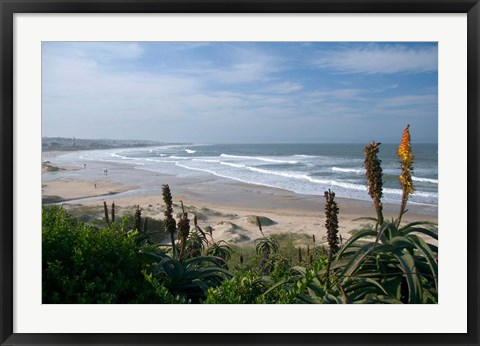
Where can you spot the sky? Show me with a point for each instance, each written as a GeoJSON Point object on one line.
{"type": "Point", "coordinates": [240, 92]}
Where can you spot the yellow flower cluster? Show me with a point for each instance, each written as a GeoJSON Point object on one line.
{"type": "Point", "coordinates": [406, 156]}
{"type": "Point", "coordinates": [404, 150]}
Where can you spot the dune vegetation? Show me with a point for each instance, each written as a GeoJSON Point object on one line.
{"type": "Point", "coordinates": [124, 260]}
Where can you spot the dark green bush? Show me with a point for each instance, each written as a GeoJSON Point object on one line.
{"type": "Point", "coordinates": [83, 264]}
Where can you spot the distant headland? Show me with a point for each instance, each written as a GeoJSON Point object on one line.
{"type": "Point", "coordinates": [73, 144]}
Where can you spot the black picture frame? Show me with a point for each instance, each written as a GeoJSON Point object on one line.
{"type": "Point", "coordinates": [10, 7]}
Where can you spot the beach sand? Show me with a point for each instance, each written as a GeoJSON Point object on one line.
{"type": "Point", "coordinates": [228, 207]}
{"type": "Point", "coordinates": [70, 189]}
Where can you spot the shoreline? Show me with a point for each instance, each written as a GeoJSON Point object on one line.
{"type": "Point", "coordinates": [225, 205]}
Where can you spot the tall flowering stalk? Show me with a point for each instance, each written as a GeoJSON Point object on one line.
{"type": "Point", "coordinates": [113, 212]}
{"type": "Point", "coordinates": [331, 223]}
{"type": "Point", "coordinates": [373, 171]}
{"type": "Point", "coordinates": [105, 210]}
{"type": "Point", "coordinates": [259, 224]}
{"type": "Point", "coordinates": [406, 157]}
{"type": "Point", "coordinates": [169, 221]}
{"type": "Point", "coordinates": [137, 219]}
{"type": "Point", "coordinates": [183, 230]}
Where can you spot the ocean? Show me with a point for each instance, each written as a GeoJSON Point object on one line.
{"type": "Point", "coordinates": [301, 168]}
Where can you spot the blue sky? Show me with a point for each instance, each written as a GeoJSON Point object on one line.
{"type": "Point", "coordinates": [239, 92]}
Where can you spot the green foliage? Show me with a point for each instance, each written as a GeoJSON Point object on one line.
{"type": "Point", "coordinates": [188, 277]}
{"type": "Point", "coordinates": [267, 249]}
{"type": "Point", "coordinates": [399, 264]}
{"type": "Point", "coordinates": [241, 289]}
{"type": "Point", "coordinates": [266, 246]}
{"type": "Point", "coordinates": [163, 292]}
{"type": "Point", "coordinates": [220, 249]}
{"type": "Point", "coordinates": [81, 264]}
{"type": "Point", "coordinates": [284, 285]}
{"type": "Point", "coordinates": [195, 244]}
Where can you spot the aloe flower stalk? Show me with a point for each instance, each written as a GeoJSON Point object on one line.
{"type": "Point", "coordinates": [259, 224]}
{"type": "Point", "coordinates": [309, 255]}
{"type": "Point", "coordinates": [105, 210]}
{"type": "Point", "coordinates": [406, 157]}
{"type": "Point", "coordinates": [183, 230]}
{"type": "Point", "coordinates": [113, 212]}
{"type": "Point", "coordinates": [169, 221]}
{"type": "Point", "coordinates": [299, 255]}
{"type": "Point", "coordinates": [331, 222]}
{"type": "Point", "coordinates": [373, 171]}
{"type": "Point", "coordinates": [137, 219]}
{"type": "Point", "coordinates": [198, 229]}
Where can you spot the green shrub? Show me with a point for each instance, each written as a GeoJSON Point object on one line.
{"type": "Point", "coordinates": [241, 289]}
{"type": "Point", "coordinates": [82, 264]}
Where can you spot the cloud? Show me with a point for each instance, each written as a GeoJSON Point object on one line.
{"type": "Point", "coordinates": [341, 94]}
{"type": "Point", "coordinates": [94, 51]}
{"type": "Point", "coordinates": [189, 45]}
{"type": "Point", "coordinates": [282, 88]}
{"type": "Point", "coordinates": [374, 58]}
{"type": "Point", "coordinates": [245, 66]}
{"type": "Point", "coordinates": [409, 101]}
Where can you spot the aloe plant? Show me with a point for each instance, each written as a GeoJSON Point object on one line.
{"type": "Point", "coordinates": [220, 249]}
{"type": "Point", "coordinates": [266, 246]}
{"type": "Point", "coordinates": [190, 277]}
{"type": "Point", "coordinates": [400, 261]}
{"type": "Point", "coordinates": [385, 263]}
{"type": "Point", "coordinates": [195, 244]}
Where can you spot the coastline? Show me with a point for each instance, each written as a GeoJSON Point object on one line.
{"type": "Point", "coordinates": [225, 205]}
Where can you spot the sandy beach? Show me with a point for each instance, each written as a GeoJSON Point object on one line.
{"type": "Point", "coordinates": [228, 207]}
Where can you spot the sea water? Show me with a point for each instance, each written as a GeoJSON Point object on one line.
{"type": "Point", "coordinates": [300, 168]}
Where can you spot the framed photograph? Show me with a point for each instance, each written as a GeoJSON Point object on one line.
{"type": "Point", "coordinates": [239, 173]}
